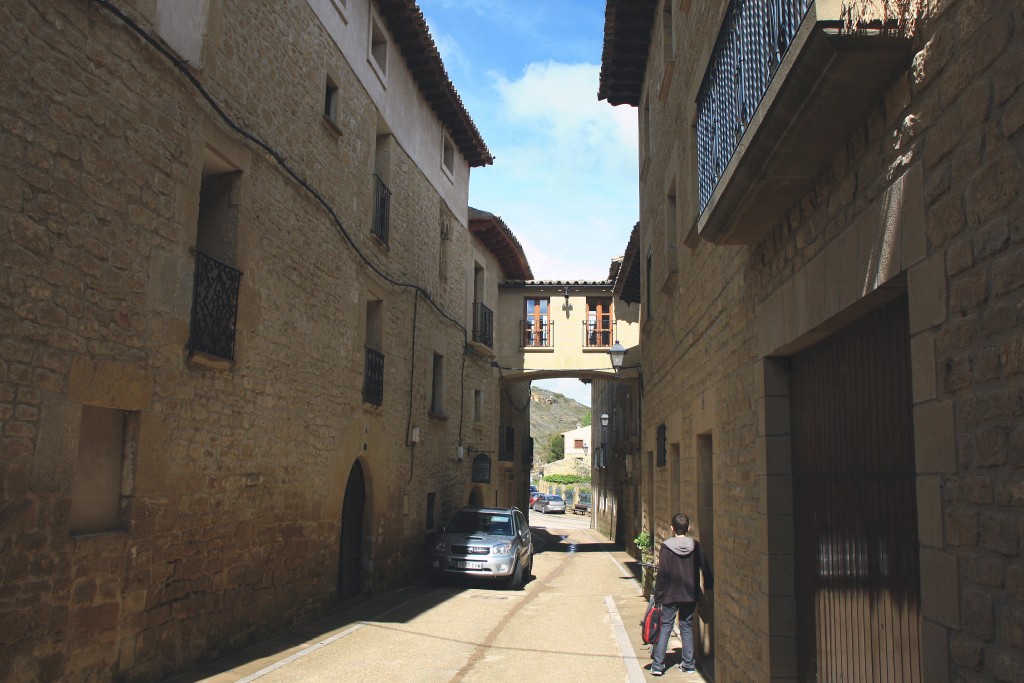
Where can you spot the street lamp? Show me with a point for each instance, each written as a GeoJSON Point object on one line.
{"type": "Point", "coordinates": [617, 353]}
{"type": "Point", "coordinates": [604, 440]}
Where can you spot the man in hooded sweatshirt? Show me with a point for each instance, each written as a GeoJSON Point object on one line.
{"type": "Point", "coordinates": [676, 589]}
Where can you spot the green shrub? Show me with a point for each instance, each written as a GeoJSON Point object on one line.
{"type": "Point", "coordinates": [567, 479]}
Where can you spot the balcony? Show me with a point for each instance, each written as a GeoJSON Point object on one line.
{"type": "Point", "coordinates": [785, 87]}
{"type": "Point", "coordinates": [537, 334]}
{"type": "Point", "coordinates": [214, 308]}
{"type": "Point", "coordinates": [381, 209]}
{"type": "Point", "coordinates": [483, 325]}
{"type": "Point", "coordinates": [373, 377]}
{"type": "Point", "coordinates": [598, 334]}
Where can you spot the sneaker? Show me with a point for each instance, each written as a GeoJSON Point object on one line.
{"type": "Point", "coordinates": [687, 671]}
{"type": "Point", "coordinates": [657, 672]}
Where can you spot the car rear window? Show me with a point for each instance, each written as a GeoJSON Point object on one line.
{"type": "Point", "coordinates": [555, 498]}
{"type": "Point", "coordinates": [481, 523]}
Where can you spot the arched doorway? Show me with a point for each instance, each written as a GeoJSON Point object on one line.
{"type": "Point", "coordinates": [350, 554]}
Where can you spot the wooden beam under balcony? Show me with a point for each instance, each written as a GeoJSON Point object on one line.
{"type": "Point", "coordinates": [821, 92]}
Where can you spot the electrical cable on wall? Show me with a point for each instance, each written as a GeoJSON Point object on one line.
{"type": "Point", "coordinates": [283, 164]}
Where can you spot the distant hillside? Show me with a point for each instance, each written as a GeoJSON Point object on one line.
{"type": "Point", "coordinates": [551, 414]}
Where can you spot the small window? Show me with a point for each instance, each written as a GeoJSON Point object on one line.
{"type": "Point", "coordinates": [331, 102]}
{"type": "Point", "coordinates": [478, 405]}
{"type": "Point", "coordinates": [445, 230]}
{"type": "Point", "coordinates": [448, 155]}
{"type": "Point", "coordinates": [378, 48]}
{"type": "Point", "coordinates": [430, 511]}
{"type": "Point", "coordinates": [437, 387]}
{"type": "Point", "coordinates": [578, 444]}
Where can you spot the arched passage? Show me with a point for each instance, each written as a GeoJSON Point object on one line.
{"type": "Point", "coordinates": [350, 553]}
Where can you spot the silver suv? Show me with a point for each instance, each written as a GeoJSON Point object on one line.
{"type": "Point", "coordinates": [490, 543]}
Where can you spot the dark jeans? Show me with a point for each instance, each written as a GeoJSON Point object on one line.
{"type": "Point", "coordinates": [685, 611]}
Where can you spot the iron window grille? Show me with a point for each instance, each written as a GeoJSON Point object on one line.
{"type": "Point", "coordinates": [483, 324]}
{"type": "Point", "coordinates": [508, 445]}
{"type": "Point", "coordinates": [373, 377]}
{"type": "Point", "coordinates": [754, 37]}
{"type": "Point", "coordinates": [214, 307]}
{"type": "Point", "coordinates": [537, 334]}
{"type": "Point", "coordinates": [381, 209]}
{"type": "Point", "coordinates": [598, 333]}
{"type": "Point", "coordinates": [662, 459]}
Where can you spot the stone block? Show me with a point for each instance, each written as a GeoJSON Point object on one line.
{"type": "Point", "coordinates": [940, 595]}
{"type": "Point", "coordinates": [929, 511]}
{"type": "Point", "coordinates": [934, 652]}
{"type": "Point", "coordinates": [934, 437]}
{"type": "Point", "coordinates": [109, 384]}
{"type": "Point", "coordinates": [922, 360]}
{"type": "Point", "coordinates": [926, 284]}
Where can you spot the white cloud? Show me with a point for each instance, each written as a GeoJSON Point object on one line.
{"type": "Point", "coordinates": [565, 166]}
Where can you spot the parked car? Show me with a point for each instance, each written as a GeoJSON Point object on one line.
{"type": "Point", "coordinates": [489, 543]}
{"type": "Point", "coordinates": [534, 495]}
{"type": "Point", "coordinates": [549, 502]}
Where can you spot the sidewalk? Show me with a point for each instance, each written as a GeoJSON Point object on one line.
{"type": "Point", "coordinates": [632, 612]}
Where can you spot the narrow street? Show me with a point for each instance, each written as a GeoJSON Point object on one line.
{"type": "Point", "coordinates": [577, 618]}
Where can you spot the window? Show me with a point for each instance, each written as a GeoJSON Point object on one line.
{"type": "Point", "coordinates": [445, 220]}
{"type": "Point", "coordinates": [599, 322]}
{"type": "Point", "coordinates": [447, 155]}
{"type": "Point", "coordinates": [216, 282]}
{"type": "Point", "coordinates": [378, 57]}
{"type": "Point", "coordinates": [373, 373]}
{"type": "Point", "coordinates": [649, 288]}
{"type": "Point", "coordinates": [430, 511]}
{"type": "Point", "coordinates": [536, 323]}
{"type": "Point", "coordinates": [578, 444]}
{"type": "Point", "coordinates": [660, 445]}
{"type": "Point", "coordinates": [478, 405]}
{"type": "Point", "coordinates": [106, 438]}
{"type": "Point", "coordinates": [381, 222]}
{"type": "Point", "coordinates": [331, 101]}
{"type": "Point", "coordinates": [437, 387]}
{"type": "Point", "coordinates": [507, 453]}
{"type": "Point", "coordinates": [667, 33]}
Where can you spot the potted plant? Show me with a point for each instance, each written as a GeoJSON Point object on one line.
{"type": "Point", "coordinates": [645, 545]}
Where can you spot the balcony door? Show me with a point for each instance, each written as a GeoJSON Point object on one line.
{"type": "Point", "coordinates": [536, 323]}
{"type": "Point", "coordinates": [599, 321]}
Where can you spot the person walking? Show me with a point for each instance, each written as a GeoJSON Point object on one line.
{"type": "Point", "coordinates": [676, 590]}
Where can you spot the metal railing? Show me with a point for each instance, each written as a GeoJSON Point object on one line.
{"type": "Point", "coordinates": [483, 324]}
{"type": "Point", "coordinates": [214, 307]}
{"type": "Point", "coordinates": [598, 333]}
{"type": "Point", "coordinates": [537, 334]}
{"type": "Point", "coordinates": [381, 209]}
{"type": "Point", "coordinates": [754, 37]}
{"type": "Point", "coordinates": [373, 377]}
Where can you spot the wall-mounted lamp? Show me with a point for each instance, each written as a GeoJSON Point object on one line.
{"type": "Point", "coordinates": [617, 353]}
{"type": "Point", "coordinates": [567, 307]}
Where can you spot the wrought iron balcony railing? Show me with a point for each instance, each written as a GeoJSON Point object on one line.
{"type": "Point", "coordinates": [598, 333]}
{"type": "Point", "coordinates": [754, 37]}
{"type": "Point", "coordinates": [537, 334]}
{"type": "Point", "coordinates": [214, 307]}
{"type": "Point", "coordinates": [381, 209]}
{"type": "Point", "coordinates": [373, 377]}
{"type": "Point", "coordinates": [483, 324]}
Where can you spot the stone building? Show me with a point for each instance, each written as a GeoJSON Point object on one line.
{"type": "Point", "coordinates": [239, 372]}
{"type": "Point", "coordinates": [831, 268]}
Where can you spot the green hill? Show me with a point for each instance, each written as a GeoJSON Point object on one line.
{"type": "Point", "coordinates": [552, 413]}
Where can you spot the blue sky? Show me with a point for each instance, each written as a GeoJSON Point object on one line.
{"type": "Point", "coordinates": [564, 177]}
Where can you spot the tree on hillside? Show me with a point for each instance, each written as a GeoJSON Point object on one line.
{"type": "Point", "coordinates": [586, 419]}
{"type": "Point", "coordinates": [557, 451]}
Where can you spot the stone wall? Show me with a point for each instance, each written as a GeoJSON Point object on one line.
{"type": "Point", "coordinates": [945, 137]}
{"type": "Point", "coordinates": [234, 472]}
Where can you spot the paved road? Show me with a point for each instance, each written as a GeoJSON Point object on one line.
{"type": "Point", "coordinates": [576, 619]}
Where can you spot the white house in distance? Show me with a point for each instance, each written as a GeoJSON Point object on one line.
{"type": "Point", "coordinates": [576, 457]}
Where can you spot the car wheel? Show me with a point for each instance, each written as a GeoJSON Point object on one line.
{"type": "Point", "coordinates": [515, 581]}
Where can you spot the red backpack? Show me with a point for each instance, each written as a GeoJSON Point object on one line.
{"type": "Point", "coordinates": [650, 627]}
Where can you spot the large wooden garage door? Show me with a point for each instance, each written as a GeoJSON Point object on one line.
{"type": "Point", "coordinates": [854, 504]}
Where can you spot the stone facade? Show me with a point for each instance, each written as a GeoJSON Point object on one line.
{"type": "Point", "coordinates": [163, 505]}
{"type": "Point", "coordinates": [919, 201]}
